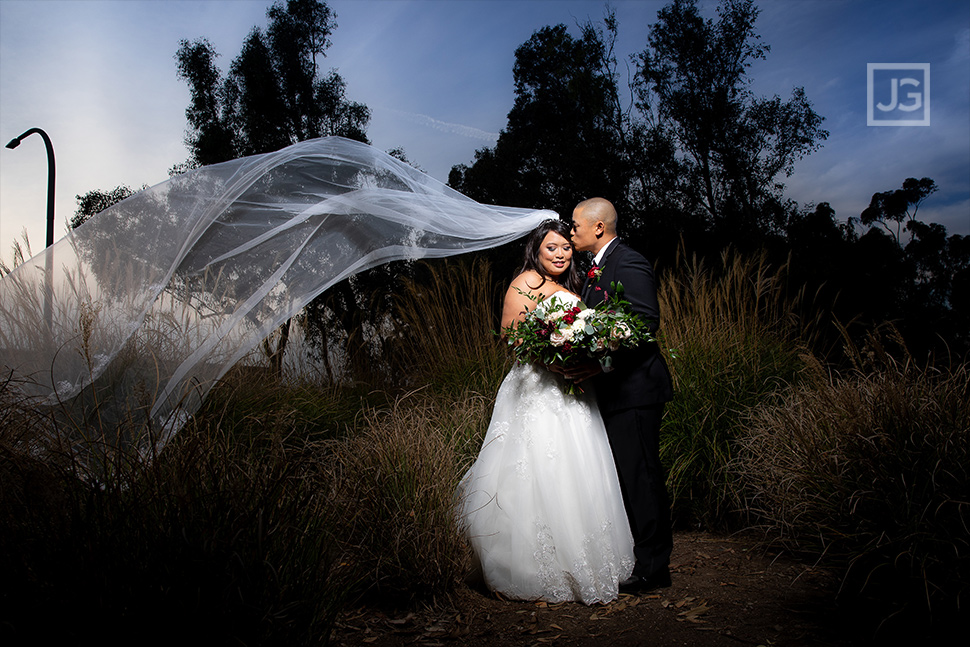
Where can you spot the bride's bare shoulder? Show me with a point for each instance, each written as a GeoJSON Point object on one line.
{"type": "Point", "coordinates": [528, 281]}
{"type": "Point", "coordinates": [532, 284]}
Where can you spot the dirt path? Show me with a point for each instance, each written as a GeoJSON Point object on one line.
{"type": "Point", "coordinates": [725, 591]}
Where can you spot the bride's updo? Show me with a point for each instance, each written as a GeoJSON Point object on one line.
{"type": "Point", "coordinates": [570, 278]}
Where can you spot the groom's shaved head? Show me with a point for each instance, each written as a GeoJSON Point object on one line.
{"type": "Point", "coordinates": [598, 210]}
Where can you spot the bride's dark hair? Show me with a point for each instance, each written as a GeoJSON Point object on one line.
{"type": "Point", "coordinates": [568, 279]}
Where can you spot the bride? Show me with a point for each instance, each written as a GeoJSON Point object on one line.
{"type": "Point", "coordinates": [541, 505]}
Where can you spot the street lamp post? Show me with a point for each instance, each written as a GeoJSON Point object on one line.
{"type": "Point", "coordinates": [48, 287]}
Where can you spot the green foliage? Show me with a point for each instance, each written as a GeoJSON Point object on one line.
{"type": "Point", "coordinates": [734, 344]}
{"type": "Point", "coordinates": [554, 333]}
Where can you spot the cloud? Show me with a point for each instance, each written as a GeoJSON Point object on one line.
{"type": "Point", "coordinates": [447, 127]}
{"type": "Point", "coordinates": [962, 50]}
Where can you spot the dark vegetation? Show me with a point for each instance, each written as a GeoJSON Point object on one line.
{"type": "Point", "coordinates": [820, 365]}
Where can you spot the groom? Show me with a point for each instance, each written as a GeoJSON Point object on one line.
{"type": "Point", "coordinates": [631, 392]}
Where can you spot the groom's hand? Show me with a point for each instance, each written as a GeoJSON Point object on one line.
{"type": "Point", "coordinates": [579, 372]}
{"type": "Point", "coordinates": [556, 367]}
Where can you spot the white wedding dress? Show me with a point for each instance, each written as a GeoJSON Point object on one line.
{"type": "Point", "coordinates": [541, 505]}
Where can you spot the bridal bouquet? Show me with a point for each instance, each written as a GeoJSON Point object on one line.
{"type": "Point", "coordinates": [560, 333]}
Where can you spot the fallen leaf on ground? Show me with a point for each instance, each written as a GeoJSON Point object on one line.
{"type": "Point", "coordinates": [691, 615]}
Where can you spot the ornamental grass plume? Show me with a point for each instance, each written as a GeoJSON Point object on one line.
{"type": "Point", "coordinates": [733, 335]}
{"type": "Point", "coordinates": [871, 470]}
{"type": "Point", "coordinates": [450, 313]}
{"type": "Point", "coordinates": [395, 484]}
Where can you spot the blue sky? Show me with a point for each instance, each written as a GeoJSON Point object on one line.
{"type": "Point", "coordinates": [99, 77]}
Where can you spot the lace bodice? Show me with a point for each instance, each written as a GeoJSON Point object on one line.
{"type": "Point", "coordinates": [564, 296]}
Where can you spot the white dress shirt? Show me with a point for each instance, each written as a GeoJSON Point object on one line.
{"type": "Point", "coordinates": [600, 254]}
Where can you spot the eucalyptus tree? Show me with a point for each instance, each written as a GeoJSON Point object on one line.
{"type": "Point", "coordinates": [894, 210]}
{"type": "Point", "coordinates": [274, 93]}
{"type": "Point", "coordinates": [693, 80]}
{"type": "Point", "coordinates": [563, 141]}
{"type": "Point", "coordinates": [929, 274]}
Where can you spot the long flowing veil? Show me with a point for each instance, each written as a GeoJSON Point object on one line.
{"type": "Point", "coordinates": [130, 318]}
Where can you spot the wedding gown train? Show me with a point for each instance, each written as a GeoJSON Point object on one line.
{"type": "Point", "coordinates": [541, 505]}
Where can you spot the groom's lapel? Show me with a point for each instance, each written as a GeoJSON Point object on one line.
{"type": "Point", "coordinates": [605, 261]}
{"type": "Point", "coordinates": [588, 284]}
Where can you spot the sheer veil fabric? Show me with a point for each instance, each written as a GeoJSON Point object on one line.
{"type": "Point", "coordinates": [143, 306]}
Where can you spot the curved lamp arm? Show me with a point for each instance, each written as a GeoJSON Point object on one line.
{"type": "Point", "coordinates": [14, 143]}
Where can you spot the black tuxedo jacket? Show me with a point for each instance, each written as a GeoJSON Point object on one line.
{"type": "Point", "coordinates": [640, 376]}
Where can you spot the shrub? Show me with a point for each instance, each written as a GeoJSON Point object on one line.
{"type": "Point", "coordinates": [872, 471]}
{"type": "Point", "coordinates": [395, 488]}
{"type": "Point", "coordinates": [216, 539]}
{"type": "Point", "coordinates": [732, 332]}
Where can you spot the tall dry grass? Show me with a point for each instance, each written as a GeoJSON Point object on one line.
{"type": "Point", "coordinates": [215, 539]}
{"type": "Point", "coordinates": [280, 502]}
{"type": "Point", "coordinates": [273, 507]}
{"type": "Point", "coordinates": [732, 335]}
{"type": "Point", "coordinates": [450, 315]}
{"type": "Point", "coordinates": [871, 470]}
{"type": "Point", "coordinates": [395, 482]}
{"type": "Point", "coordinates": [398, 474]}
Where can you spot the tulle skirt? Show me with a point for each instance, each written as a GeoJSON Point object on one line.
{"type": "Point", "coordinates": [541, 505]}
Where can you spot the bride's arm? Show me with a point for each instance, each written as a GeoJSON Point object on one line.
{"type": "Point", "coordinates": [524, 294]}
{"type": "Point", "coordinates": [517, 301]}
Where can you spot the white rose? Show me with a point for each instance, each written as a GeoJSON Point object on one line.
{"type": "Point", "coordinates": [557, 338]}
{"type": "Point", "coordinates": [620, 331]}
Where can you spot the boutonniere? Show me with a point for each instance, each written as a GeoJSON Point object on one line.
{"type": "Point", "coordinates": [594, 273]}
